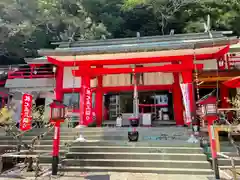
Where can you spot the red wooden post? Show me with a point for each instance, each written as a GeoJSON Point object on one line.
{"type": "Point", "coordinates": [224, 94]}
{"type": "Point", "coordinates": [56, 143]}
{"type": "Point", "coordinates": [209, 107]}
{"type": "Point", "coordinates": [59, 84]}
{"type": "Point", "coordinates": [99, 101]}
{"type": "Point", "coordinates": [57, 116]}
{"type": "Point", "coordinates": [177, 101]}
{"type": "Point", "coordinates": [213, 150]}
{"type": "Point", "coordinates": [56, 137]}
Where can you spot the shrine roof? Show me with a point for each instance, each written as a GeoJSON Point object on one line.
{"type": "Point", "coordinates": [204, 98]}
{"type": "Point", "coordinates": [139, 44]}
{"type": "Point", "coordinates": [233, 83]}
{"type": "Point", "coordinates": [235, 48]}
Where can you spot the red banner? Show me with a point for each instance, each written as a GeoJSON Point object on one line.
{"type": "Point", "coordinates": [87, 115]}
{"type": "Point", "coordinates": [26, 115]}
{"type": "Point", "coordinates": [186, 102]}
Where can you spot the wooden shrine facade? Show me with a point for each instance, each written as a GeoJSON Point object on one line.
{"type": "Point", "coordinates": [162, 63]}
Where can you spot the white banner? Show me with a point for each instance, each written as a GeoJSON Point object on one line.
{"type": "Point", "coordinates": [186, 101]}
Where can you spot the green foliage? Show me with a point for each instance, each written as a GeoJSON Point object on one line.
{"type": "Point", "coordinates": [224, 15]}
{"type": "Point", "coordinates": [93, 124]}
{"type": "Point", "coordinates": [28, 25]}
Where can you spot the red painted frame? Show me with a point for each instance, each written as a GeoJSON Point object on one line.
{"type": "Point", "coordinates": [140, 60]}
{"type": "Point", "coordinates": [185, 68]}
{"type": "Point", "coordinates": [164, 68]}
{"type": "Point", "coordinates": [28, 73]}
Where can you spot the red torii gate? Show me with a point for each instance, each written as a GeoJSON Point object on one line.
{"type": "Point", "coordinates": [180, 64]}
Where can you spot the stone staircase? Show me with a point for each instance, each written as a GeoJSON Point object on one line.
{"type": "Point", "coordinates": [44, 148]}
{"type": "Point", "coordinates": [159, 150]}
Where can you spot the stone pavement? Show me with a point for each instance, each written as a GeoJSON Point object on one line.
{"type": "Point", "coordinates": [116, 176]}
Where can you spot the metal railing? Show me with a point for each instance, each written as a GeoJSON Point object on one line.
{"type": "Point", "coordinates": [31, 73]}
{"type": "Point", "coordinates": [29, 155]}
{"type": "Point", "coordinates": [233, 160]}
{"type": "Point", "coordinates": [233, 62]}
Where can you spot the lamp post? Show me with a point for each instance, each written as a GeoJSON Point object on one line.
{"type": "Point", "coordinates": [56, 117]}
{"type": "Point", "coordinates": [209, 109]}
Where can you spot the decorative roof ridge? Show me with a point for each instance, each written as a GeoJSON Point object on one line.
{"type": "Point", "coordinates": [143, 47]}
{"type": "Point", "coordinates": [142, 39]}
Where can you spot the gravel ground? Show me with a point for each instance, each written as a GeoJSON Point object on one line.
{"type": "Point", "coordinates": [117, 176]}
{"type": "Point", "coordinates": [16, 174]}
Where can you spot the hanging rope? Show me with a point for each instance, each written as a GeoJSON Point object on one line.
{"type": "Point", "coordinates": [74, 81]}
{"type": "Point", "coordinates": [196, 73]}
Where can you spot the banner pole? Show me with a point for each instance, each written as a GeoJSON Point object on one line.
{"type": "Point", "coordinates": [213, 151]}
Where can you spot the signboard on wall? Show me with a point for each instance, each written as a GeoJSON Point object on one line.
{"type": "Point", "coordinates": [87, 114]}
{"type": "Point", "coordinates": [162, 99]}
{"type": "Point", "coordinates": [26, 114]}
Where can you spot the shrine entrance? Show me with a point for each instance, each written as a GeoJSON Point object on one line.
{"type": "Point", "coordinates": [93, 63]}
{"type": "Point", "coordinates": [152, 102]}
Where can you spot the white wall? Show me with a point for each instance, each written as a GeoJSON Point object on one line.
{"type": "Point", "coordinates": [208, 64]}
{"type": "Point", "coordinates": [68, 78]}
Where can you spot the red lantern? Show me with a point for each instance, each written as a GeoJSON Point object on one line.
{"type": "Point", "coordinates": [57, 111]}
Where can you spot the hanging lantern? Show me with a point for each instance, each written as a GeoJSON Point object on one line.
{"type": "Point", "coordinates": [209, 109]}
{"type": "Point", "coordinates": [57, 111]}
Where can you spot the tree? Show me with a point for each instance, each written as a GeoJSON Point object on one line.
{"type": "Point", "coordinates": [27, 25]}
{"type": "Point", "coordinates": [163, 10]}
{"type": "Point", "coordinates": [224, 15]}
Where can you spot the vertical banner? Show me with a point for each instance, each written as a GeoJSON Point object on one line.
{"type": "Point", "coordinates": [26, 114]}
{"type": "Point", "coordinates": [87, 114]}
{"type": "Point", "coordinates": [135, 98]}
{"type": "Point", "coordinates": [186, 101]}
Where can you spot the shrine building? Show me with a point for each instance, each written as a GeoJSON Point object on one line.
{"type": "Point", "coordinates": [161, 63]}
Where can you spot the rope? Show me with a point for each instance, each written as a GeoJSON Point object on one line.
{"type": "Point", "coordinates": [196, 73]}
{"type": "Point", "coordinates": [73, 91]}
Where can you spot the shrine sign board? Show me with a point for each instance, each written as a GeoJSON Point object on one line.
{"type": "Point", "coordinates": [26, 114]}
{"type": "Point", "coordinates": [87, 107]}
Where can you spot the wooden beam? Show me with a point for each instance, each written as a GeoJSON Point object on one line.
{"type": "Point", "coordinates": [214, 79]}
{"type": "Point", "coordinates": [165, 68]}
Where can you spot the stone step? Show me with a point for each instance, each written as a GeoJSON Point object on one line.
{"type": "Point", "coordinates": [159, 130]}
{"type": "Point", "coordinates": [50, 137]}
{"type": "Point", "coordinates": [52, 133]}
{"type": "Point", "coordinates": [227, 162]}
{"type": "Point", "coordinates": [128, 155]}
{"type": "Point", "coordinates": [124, 137]}
{"type": "Point", "coordinates": [6, 138]}
{"type": "Point", "coordinates": [38, 148]}
{"type": "Point", "coordinates": [42, 142]}
{"type": "Point", "coordinates": [173, 143]}
{"type": "Point", "coordinates": [137, 163]}
{"type": "Point", "coordinates": [136, 149]}
{"type": "Point", "coordinates": [48, 147]}
{"type": "Point", "coordinates": [139, 169]}
{"type": "Point", "coordinates": [47, 152]}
